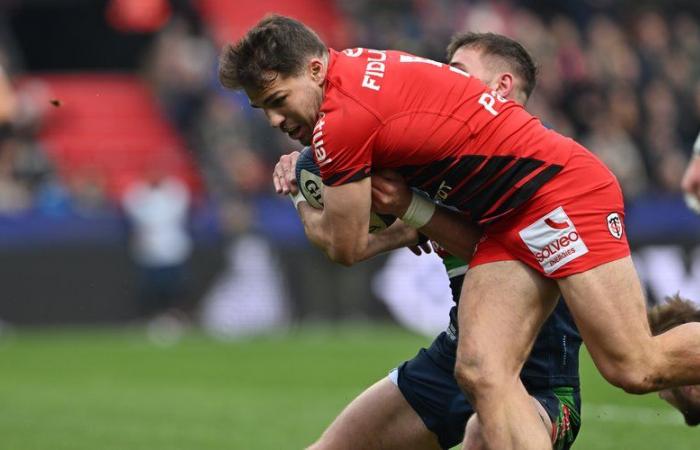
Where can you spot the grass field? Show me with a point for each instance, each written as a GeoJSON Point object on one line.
{"type": "Point", "coordinates": [109, 390]}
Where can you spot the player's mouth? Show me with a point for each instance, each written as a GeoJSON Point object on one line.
{"type": "Point", "coordinates": [296, 133]}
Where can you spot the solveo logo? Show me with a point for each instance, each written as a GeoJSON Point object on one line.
{"type": "Point", "coordinates": [553, 240]}
{"type": "Point", "coordinates": [558, 245]}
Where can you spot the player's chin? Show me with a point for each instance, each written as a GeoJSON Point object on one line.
{"type": "Point", "coordinates": [305, 139]}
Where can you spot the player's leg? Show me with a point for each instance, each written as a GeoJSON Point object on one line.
{"type": "Point", "coordinates": [559, 410]}
{"type": "Point", "coordinates": [379, 419]}
{"type": "Point", "coordinates": [502, 308]}
{"type": "Point", "coordinates": [474, 439]}
{"type": "Point", "coordinates": [607, 303]}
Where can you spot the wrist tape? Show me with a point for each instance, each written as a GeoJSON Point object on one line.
{"type": "Point", "coordinates": [419, 212]}
{"type": "Point", "coordinates": [296, 199]}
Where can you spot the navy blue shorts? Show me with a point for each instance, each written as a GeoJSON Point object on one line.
{"type": "Point", "coordinates": [428, 384]}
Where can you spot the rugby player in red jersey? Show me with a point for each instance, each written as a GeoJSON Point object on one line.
{"type": "Point", "coordinates": [671, 313]}
{"type": "Point", "coordinates": [551, 212]}
{"type": "Point", "coordinates": [420, 400]}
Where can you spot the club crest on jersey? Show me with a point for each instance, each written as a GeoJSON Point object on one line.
{"type": "Point", "coordinates": [615, 225]}
{"type": "Point", "coordinates": [353, 52]}
{"type": "Point", "coordinates": [553, 240]}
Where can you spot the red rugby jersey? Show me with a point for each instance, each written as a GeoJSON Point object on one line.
{"type": "Point", "coordinates": [446, 132]}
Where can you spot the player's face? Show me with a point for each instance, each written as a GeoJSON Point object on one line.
{"type": "Point", "coordinates": [472, 61]}
{"type": "Point", "coordinates": [491, 73]}
{"type": "Point", "coordinates": [291, 104]}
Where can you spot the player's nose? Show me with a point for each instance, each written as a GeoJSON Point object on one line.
{"type": "Point", "coordinates": [274, 118]}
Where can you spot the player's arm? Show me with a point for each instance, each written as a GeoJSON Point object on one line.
{"type": "Point", "coordinates": [390, 195]}
{"type": "Point", "coordinates": [340, 228]}
{"type": "Point", "coordinates": [396, 236]}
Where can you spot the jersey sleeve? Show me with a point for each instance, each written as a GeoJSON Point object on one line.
{"type": "Point", "coordinates": [342, 144]}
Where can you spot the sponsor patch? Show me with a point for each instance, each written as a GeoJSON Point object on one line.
{"type": "Point", "coordinates": [553, 240]}
{"type": "Point", "coordinates": [615, 225]}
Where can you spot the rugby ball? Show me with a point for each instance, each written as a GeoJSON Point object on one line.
{"type": "Point", "coordinates": [310, 184]}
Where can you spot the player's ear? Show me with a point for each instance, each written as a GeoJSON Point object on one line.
{"type": "Point", "coordinates": [505, 84]}
{"type": "Point", "coordinates": [317, 70]}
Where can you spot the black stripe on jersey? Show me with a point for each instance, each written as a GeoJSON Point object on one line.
{"type": "Point", "coordinates": [347, 176]}
{"type": "Point", "coordinates": [456, 174]}
{"type": "Point", "coordinates": [464, 192]}
{"type": "Point", "coordinates": [504, 182]}
{"type": "Point", "coordinates": [419, 175]}
{"type": "Point", "coordinates": [524, 192]}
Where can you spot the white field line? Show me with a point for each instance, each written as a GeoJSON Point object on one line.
{"type": "Point", "coordinates": [630, 414]}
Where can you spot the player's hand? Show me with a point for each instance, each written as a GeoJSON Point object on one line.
{"type": "Point", "coordinates": [421, 249]}
{"type": "Point", "coordinates": [423, 245]}
{"type": "Point", "coordinates": [390, 194]}
{"type": "Point", "coordinates": [283, 177]}
{"type": "Point", "coordinates": [691, 184]}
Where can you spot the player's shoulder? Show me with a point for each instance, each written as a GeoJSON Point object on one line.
{"type": "Point", "coordinates": [350, 88]}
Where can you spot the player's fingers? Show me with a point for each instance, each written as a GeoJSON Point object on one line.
{"type": "Point", "coordinates": [415, 249]}
{"type": "Point", "coordinates": [289, 180]}
{"type": "Point", "coordinates": [278, 172]}
{"type": "Point", "coordinates": [382, 185]}
{"type": "Point", "coordinates": [379, 201]}
{"type": "Point", "coordinates": [276, 182]}
{"type": "Point", "coordinates": [283, 185]}
{"type": "Point", "coordinates": [376, 192]}
{"type": "Point", "coordinates": [293, 157]}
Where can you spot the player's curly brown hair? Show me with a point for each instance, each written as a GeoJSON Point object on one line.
{"type": "Point", "coordinates": [673, 312]}
{"type": "Point", "coordinates": [277, 45]}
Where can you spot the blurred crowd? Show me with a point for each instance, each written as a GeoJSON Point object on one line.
{"type": "Point", "coordinates": [626, 85]}
{"type": "Point", "coordinates": [621, 78]}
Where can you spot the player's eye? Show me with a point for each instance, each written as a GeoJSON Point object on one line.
{"type": "Point", "coordinates": [279, 101]}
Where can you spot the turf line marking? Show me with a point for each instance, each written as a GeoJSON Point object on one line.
{"type": "Point", "coordinates": [631, 414]}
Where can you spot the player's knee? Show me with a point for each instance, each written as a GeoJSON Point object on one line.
{"type": "Point", "coordinates": [471, 375]}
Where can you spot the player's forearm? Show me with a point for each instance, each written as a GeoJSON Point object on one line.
{"type": "Point", "coordinates": [311, 218]}
{"type": "Point", "coordinates": [334, 241]}
{"type": "Point", "coordinates": [396, 236]}
{"type": "Point", "coordinates": [453, 232]}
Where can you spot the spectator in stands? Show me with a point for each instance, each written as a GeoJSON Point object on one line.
{"type": "Point", "coordinates": [691, 179]}
{"type": "Point", "coordinates": [14, 196]}
{"type": "Point", "coordinates": [158, 211]}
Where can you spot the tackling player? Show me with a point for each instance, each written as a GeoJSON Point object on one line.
{"type": "Point", "coordinates": [673, 312]}
{"type": "Point", "coordinates": [427, 381]}
{"type": "Point", "coordinates": [552, 212]}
